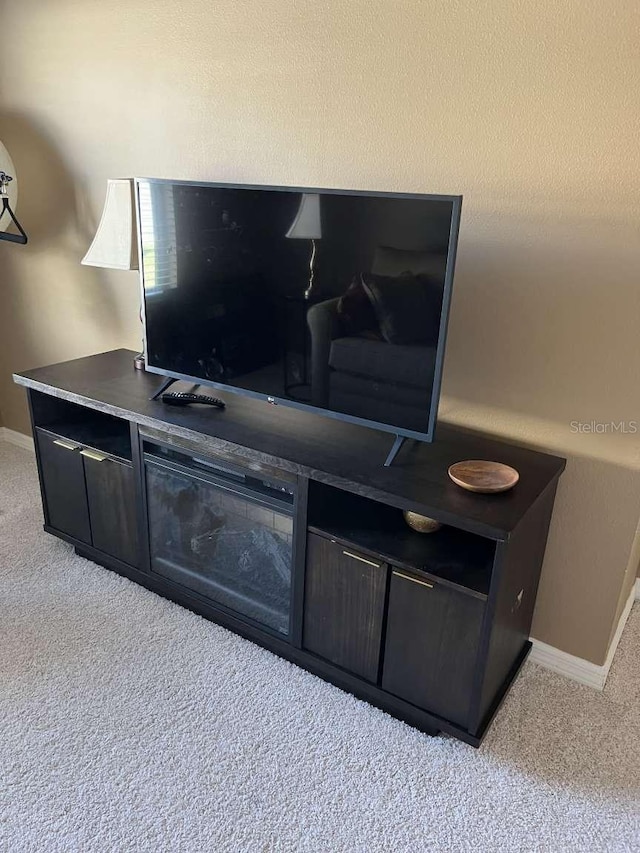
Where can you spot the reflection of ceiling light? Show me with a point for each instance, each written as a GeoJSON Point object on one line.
{"type": "Point", "coordinates": [116, 244]}
{"type": "Point", "coordinates": [9, 196]}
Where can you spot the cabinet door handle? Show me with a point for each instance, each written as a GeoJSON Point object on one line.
{"type": "Point", "coordinates": [413, 580]}
{"type": "Point", "coordinates": [68, 445]}
{"type": "Point", "coordinates": [362, 559]}
{"type": "Point", "coordinates": [93, 454]}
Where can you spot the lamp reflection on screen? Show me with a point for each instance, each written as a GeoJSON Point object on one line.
{"type": "Point", "coordinates": [307, 226]}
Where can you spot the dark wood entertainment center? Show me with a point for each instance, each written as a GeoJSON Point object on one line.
{"type": "Point", "coordinates": [432, 628]}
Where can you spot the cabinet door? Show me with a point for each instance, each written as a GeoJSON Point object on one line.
{"type": "Point", "coordinates": [63, 485]}
{"type": "Point", "coordinates": [344, 604]}
{"type": "Point", "coordinates": [431, 646]}
{"type": "Point", "coordinates": [112, 506]}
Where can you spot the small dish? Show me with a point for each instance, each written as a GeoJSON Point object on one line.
{"type": "Point", "coordinates": [483, 476]}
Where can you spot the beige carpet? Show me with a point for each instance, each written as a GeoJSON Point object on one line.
{"type": "Point", "coordinates": [130, 724]}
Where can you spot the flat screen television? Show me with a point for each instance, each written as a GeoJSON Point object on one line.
{"type": "Point", "coordinates": [331, 301]}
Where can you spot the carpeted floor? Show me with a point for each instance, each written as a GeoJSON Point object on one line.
{"type": "Point", "coordinates": [130, 724]}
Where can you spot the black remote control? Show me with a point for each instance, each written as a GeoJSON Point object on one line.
{"type": "Point", "coordinates": [181, 398]}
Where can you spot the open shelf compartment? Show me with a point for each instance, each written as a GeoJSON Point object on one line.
{"type": "Point", "coordinates": [461, 560]}
{"type": "Point", "coordinates": [88, 427]}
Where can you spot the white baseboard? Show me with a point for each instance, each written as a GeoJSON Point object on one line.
{"type": "Point", "coordinates": [568, 665]}
{"type": "Point", "coordinates": [577, 668]}
{"type": "Point", "coordinates": [17, 438]}
{"type": "Point", "coordinates": [637, 589]}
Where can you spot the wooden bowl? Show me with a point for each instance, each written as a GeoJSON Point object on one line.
{"type": "Point", "coordinates": [480, 475]}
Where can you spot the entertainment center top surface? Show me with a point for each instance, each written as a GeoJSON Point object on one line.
{"type": "Point", "coordinates": [333, 452]}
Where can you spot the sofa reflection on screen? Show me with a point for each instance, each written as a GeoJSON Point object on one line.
{"type": "Point", "coordinates": [373, 350]}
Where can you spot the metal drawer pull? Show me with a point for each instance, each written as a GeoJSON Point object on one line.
{"type": "Point", "coordinates": [362, 559]}
{"type": "Point", "coordinates": [93, 454]}
{"type": "Point", "coordinates": [68, 445]}
{"type": "Point", "coordinates": [414, 580]}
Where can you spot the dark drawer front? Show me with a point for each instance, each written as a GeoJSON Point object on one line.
{"type": "Point", "coordinates": [65, 495]}
{"type": "Point", "coordinates": [344, 605]}
{"type": "Point", "coordinates": [431, 646]}
{"type": "Point", "coordinates": [112, 506]}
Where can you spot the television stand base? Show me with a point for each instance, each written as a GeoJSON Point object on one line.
{"type": "Point", "coordinates": [397, 444]}
{"type": "Point", "coordinates": [167, 384]}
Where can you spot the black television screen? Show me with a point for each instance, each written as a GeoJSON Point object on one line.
{"type": "Point", "coordinates": [330, 300]}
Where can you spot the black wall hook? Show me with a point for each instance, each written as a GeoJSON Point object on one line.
{"type": "Point", "coordinates": [12, 238]}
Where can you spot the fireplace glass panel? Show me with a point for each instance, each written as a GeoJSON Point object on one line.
{"type": "Point", "coordinates": [233, 547]}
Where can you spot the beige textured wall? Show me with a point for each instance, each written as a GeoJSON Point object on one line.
{"type": "Point", "coordinates": [528, 109]}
